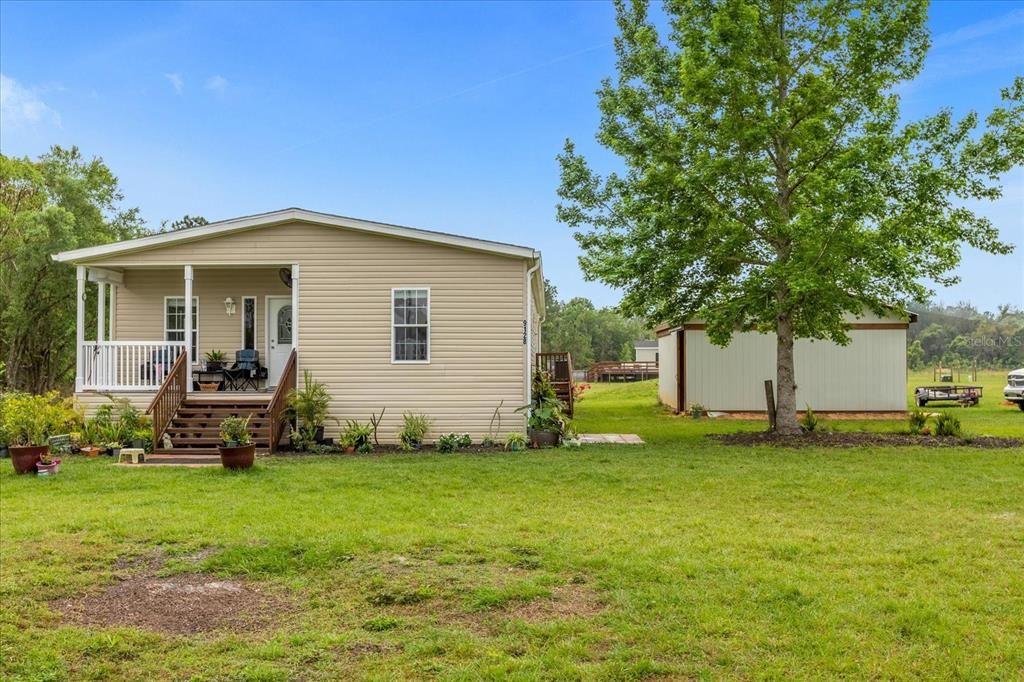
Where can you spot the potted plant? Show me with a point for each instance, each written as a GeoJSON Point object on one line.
{"type": "Point", "coordinates": [357, 437]}
{"type": "Point", "coordinates": [309, 407]}
{"type": "Point", "coordinates": [29, 421]}
{"type": "Point", "coordinates": [414, 428]}
{"type": "Point", "coordinates": [237, 451]}
{"type": "Point", "coordinates": [215, 360]}
{"type": "Point", "coordinates": [48, 464]}
{"type": "Point", "coordinates": [515, 442]}
{"type": "Point", "coordinates": [545, 420]}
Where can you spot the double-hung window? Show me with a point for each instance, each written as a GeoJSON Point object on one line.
{"type": "Point", "coordinates": [410, 325]}
{"type": "Point", "coordinates": [174, 321]}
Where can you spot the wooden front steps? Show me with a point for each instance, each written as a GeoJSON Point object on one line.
{"type": "Point", "coordinates": [195, 427]}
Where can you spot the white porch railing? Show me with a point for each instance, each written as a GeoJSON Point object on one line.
{"type": "Point", "coordinates": [127, 365]}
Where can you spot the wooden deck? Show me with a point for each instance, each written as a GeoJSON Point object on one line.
{"type": "Point", "coordinates": [622, 371]}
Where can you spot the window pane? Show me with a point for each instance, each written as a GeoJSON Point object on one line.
{"type": "Point", "coordinates": [411, 317]}
{"type": "Point", "coordinates": [249, 325]}
{"type": "Point", "coordinates": [284, 324]}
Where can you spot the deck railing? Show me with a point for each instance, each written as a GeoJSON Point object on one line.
{"type": "Point", "coordinates": [169, 398]}
{"type": "Point", "coordinates": [622, 371]}
{"type": "Point", "coordinates": [278, 403]}
{"type": "Point", "coordinates": [559, 368]}
{"type": "Point", "coordinates": [127, 365]}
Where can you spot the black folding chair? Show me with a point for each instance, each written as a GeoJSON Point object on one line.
{"type": "Point", "coordinates": [246, 371]}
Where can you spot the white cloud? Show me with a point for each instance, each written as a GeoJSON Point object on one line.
{"type": "Point", "coordinates": [177, 82]}
{"type": "Point", "coordinates": [217, 84]}
{"type": "Point", "coordinates": [21, 106]}
{"type": "Point", "coordinates": [980, 29]}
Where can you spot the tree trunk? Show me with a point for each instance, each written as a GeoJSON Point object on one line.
{"type": "Point", "coordinates": [785, 379]}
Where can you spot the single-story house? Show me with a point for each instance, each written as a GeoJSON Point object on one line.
{"type": "Point", "coordinates": [867, 375]}
{"type": "Point", "coordinates": [645, 351]}
{"type": "Point", "coordinates": [388, 317]}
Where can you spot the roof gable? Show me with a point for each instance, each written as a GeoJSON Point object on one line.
{"type": "Point", "coordinates": [211, 230]}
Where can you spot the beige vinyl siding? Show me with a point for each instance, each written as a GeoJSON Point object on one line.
{"type": "Point", "coordinates": [868, 374]}
{"type": "Point", "coordinates": [477, 310]}
{"type": "Point", "coordinates": [88, 401]}
{"type": "Point", "coordinates": [140, 304]}
{"type": "Point", "coordinates": [668, 370]}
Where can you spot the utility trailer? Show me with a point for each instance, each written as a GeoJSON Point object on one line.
{"type": "Point", "coordinates": [963, 395]}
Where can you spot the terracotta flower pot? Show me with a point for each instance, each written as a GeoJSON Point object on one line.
{"type": "Point", "coordinates": [90, 451]}
{"type": "Point", "coordinates": [24, 457]}
{"type": "Point", "coordinates": [237, 456]}
{"type": "Point", "coordinates": [543, 439]}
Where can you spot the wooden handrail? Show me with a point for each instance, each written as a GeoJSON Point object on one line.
{"type": "Point", "coordinates": [559, 368]}
{"type": "Point", "coordinates": [276, 406]}
{"type": "Point", "coordinates": [169, 398]}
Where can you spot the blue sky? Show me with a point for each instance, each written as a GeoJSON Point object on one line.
{"type": "Point", "coordinates": [437, 115]}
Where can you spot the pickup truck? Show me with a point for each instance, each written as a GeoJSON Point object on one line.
{"type": "Point", "coordinates": [1014, 391]}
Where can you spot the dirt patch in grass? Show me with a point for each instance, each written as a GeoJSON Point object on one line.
{"type": "Point", "coordinates": [835, 439]}
{"type": "Point", "coordinates": [180, 604]}
{"type": "Point", "coordinates": [371, 648]}
{"type": "Point", "coordinates": [566, 601]}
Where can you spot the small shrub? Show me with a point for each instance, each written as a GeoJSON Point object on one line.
{"type": "Point", "coordinates": [516, 442]}
{"type": "Point", "coordinates": [357, 436]}
{"type": "Point", "coordinates": [309, 407]}
{"type": "Point", "coordinates": [918, 420]}
{"type": "Point", "coordinates": [696, 410]}
{"type": "Point", "coordinates": [810, 422]}
{"type": "Point", "coordinates": [32, 419]}
{"type": "Point", "coordinates": [235, 431]}
{"type": "Point", "coordinates": [414, 428]}
{"type": "Point", "coordinates": [948, 426]}
{"type": "Point", "coordinates": [465, 440]}
{"type": "Point", "coordinates": [450, 442]}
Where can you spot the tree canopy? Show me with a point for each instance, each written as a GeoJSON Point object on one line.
{"type": "Point", "coordinates": [768, 181]}
{"type": "Point", "coordinates": [60, 201]}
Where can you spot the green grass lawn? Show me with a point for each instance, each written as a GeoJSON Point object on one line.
{"type": "Point", "coordinates": [677, 559]}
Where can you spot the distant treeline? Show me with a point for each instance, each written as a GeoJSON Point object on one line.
{"type": "Point", "coordinates": [590, 333]}
{"type": "Point", "coordinates": [962, 336]}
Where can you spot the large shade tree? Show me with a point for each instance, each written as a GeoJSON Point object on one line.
{"type": "Point", "coordinates": [60, 201]}
{"type": "Point", "coordinates": [768, 181]}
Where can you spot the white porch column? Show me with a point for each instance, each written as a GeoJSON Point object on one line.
{"type": "Point", "coordinates": [101, 310]}
{"type": "Point", "coordinates": [112, 327]}
{"type": "Point", "coordinates": [295, 306]}
{"type": "Point", "coordinates": [79, 325]}
{"type": "Point", "coordinates": [188, 327]}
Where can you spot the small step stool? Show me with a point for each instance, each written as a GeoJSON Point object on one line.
{"type": "Point", "coordinates": [136, 454]}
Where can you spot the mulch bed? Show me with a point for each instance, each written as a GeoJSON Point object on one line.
{"type": "Point", "coordinates": [834, 439]}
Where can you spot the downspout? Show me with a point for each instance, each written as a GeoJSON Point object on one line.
{"type": "Point", "coordinates": [529, 333]}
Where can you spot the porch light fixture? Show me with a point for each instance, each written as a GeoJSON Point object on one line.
{"type": "Point", "coordinates": [229, 306]}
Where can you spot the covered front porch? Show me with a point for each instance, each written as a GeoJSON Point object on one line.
{"type": "Point", "coordinates": [233, 325]}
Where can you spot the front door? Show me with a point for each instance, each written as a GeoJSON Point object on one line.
{"type": "Point", "coordinates": [279, 336]}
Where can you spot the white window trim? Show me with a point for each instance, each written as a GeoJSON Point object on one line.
{"type": "Point", "coordinates": [392, 304]}
{"type": "Point", "coordinates": [255, 323]}
{"type": "Point", "coordinates": [195, 306]}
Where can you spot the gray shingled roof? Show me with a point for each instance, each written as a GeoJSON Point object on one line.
{"type": "Point", "coordinates": [645, 343]}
